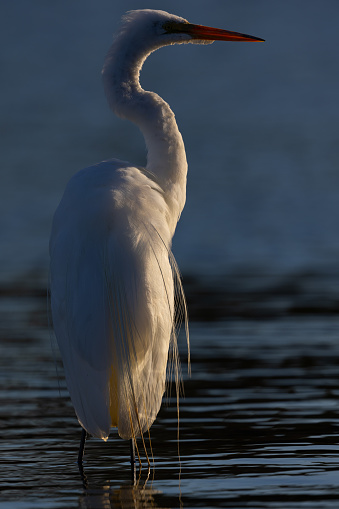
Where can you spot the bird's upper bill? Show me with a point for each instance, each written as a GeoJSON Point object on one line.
{"type": "Point", "coordinates": [207, 33]}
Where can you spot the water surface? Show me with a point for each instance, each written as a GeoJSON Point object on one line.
{"type": "Point", "coordinates": [258, 424]}
{"type": "Point", "coordinates": [260, 124]}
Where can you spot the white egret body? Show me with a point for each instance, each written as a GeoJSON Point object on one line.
{"type": "Point", "coordinates": [113, 295]}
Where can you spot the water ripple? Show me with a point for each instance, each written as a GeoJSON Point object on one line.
{"type": "Point", "coordinates": [258, 425]}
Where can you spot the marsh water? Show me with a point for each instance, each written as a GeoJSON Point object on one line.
{"type": "Point", "coordinates": [258, 424]}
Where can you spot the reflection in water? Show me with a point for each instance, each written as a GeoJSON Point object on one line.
{"type": "Point", "coordinates": [135, 480]}
{"type": "Point", "coordinates": [99, 493]}
{"type": "Point", "coordinates": [125, 497]}
{"type": "Point", "coordinates": [258, 424]}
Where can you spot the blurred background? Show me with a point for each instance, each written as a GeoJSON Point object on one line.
{"type": "Point", "coordinates": [260, 124]}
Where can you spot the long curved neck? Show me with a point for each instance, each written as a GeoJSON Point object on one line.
{"type": "Point", "coordinates": [166, 157]}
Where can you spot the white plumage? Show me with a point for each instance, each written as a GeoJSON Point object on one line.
{"type": "Point", "coordinates": [114, 282]}
{"type": "Point", "coordinates": [112, 295]}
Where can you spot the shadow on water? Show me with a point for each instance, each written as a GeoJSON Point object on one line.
{"type": "Point", "coordinates": [258, 425]}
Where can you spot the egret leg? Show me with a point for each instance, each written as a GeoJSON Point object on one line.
{"type": "Point", "coordinates": [133, 469]}
{"type": "Point", "coordinates": [82, 446]}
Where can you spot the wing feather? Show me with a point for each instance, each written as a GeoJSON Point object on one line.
{"type": "Point", "coordinates": [113, 297]}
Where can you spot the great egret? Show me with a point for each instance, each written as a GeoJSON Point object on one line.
{"type": "Point", "coordinates": [115, 286]}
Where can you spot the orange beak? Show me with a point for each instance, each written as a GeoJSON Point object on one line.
{"type": "Point", "coordinates": [217, 34]}
{"type": "Point", "coordinates": [208, 33]}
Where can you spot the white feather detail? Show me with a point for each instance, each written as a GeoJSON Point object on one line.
{"type": "Point", "coordinates": [113, 296]}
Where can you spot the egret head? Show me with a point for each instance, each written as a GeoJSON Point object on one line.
{"type": "Point", "coordinates": [162, 28]}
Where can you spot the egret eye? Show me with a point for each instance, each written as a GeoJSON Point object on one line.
{"type": "Point", "coordinates": [172, 27]}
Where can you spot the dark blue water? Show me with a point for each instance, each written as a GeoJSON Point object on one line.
{"type": "Point", "coordinates": [260, 123]}
{"type": "Point", "coordinates": [258, 425]}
